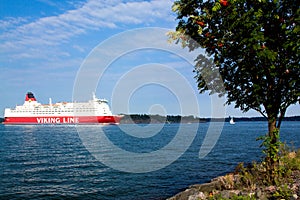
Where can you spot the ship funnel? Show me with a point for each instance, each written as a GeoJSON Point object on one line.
{"type": "Point", "coordinates": [30, 97]}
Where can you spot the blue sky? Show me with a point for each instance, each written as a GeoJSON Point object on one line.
{"type": "Point", "coordinates": [43, 44]}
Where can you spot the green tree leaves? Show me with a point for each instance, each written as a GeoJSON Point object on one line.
{"type": "Point", "coordinates": [253, 43]}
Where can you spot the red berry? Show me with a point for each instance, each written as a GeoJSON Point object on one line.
{"type": "Point", "coordinates": [200, 23]}
{"type": "Point", "coordinates": [224, 2]}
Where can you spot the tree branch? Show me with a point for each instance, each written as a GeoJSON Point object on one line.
{"type": "Point", "coordinates": [261, 112]}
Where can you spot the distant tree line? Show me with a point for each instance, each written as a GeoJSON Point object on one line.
{"type": "Point", "coordinates": [237, 119]}
{"type": "Point", "coordinates": [146, 119]}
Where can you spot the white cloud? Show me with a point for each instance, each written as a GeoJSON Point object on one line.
{"type": "Point", "coordinates": [55, 31]}
{"type": "Point", "coordinates": [78, 48]}
{"type": "Point", "coordinates": [48, 2]}
{"type": "Point", "coordinates": [11, 23]}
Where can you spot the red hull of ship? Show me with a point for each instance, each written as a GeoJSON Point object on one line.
{"type": "Point", "coordinates": [63, 120]}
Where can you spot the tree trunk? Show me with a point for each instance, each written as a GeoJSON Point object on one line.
{"type": "Point", "coordinates": [272, 149]}
{"type": "Point", "coordinates": [271, 130]}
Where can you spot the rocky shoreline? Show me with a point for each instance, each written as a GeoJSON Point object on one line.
{"type": "Point", "coordinates": [255, 181]}
{"type": "Point", "coordinates": [224, 187]}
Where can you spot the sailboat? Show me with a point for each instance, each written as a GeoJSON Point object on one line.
{"type": "Point", "coordinates": [231, 121]}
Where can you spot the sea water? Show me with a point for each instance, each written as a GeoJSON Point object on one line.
{"type": "Point", "coordinates": [53, 162]}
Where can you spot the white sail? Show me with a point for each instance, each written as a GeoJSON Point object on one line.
{"type": "Point", "coordinates": [231, 121]}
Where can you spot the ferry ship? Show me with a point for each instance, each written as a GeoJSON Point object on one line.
{"type": "Point", "coordinates": [94, 111]}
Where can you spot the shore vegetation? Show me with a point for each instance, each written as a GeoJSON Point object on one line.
{"type": "Point", "coordinates": [252, 181]}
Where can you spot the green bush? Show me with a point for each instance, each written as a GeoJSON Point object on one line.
{"type": "Point", "coordinates": [283, 192]}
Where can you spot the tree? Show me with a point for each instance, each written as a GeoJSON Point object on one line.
{"type": "Point", "coordinates": [255, 46]}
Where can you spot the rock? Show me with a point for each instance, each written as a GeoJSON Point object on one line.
{"type": "Point", "coordinates": [184, 195]}
{"type": "Point", "coordinates": [294, 197]}
{"type": "Point", "coordinates": [224, 186]}
{"type": "Point", "coordinates": [227, 181]}
{"type": "Point", "coordinates": [292, 155]}
{"type": "Point", "coordinates": [197, 196]}
{"type": "Point", "coordinates": [258, 193]}
{"type": "Point", "coordinates": [229, 193]}
{"type": "Point", "coordinates": [225, 194]}
{"type": "Point", "coordinates": [208, 187]}
{"type": "Point", "coordinates": [271, 189]}
{"type": "Point", "coordinates": [197, 191]}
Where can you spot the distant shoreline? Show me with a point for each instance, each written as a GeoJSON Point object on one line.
{"type": "Point", "coordinates": [143, 118]}
{"type": "Point", "coordinates": [146, 119]}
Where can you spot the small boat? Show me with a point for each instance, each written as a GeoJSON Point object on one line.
{"type": "Point", "coordinates": [231, 121]}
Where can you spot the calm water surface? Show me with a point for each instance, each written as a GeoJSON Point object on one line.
{"type": "Point", "coordinates": [51, 162]}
